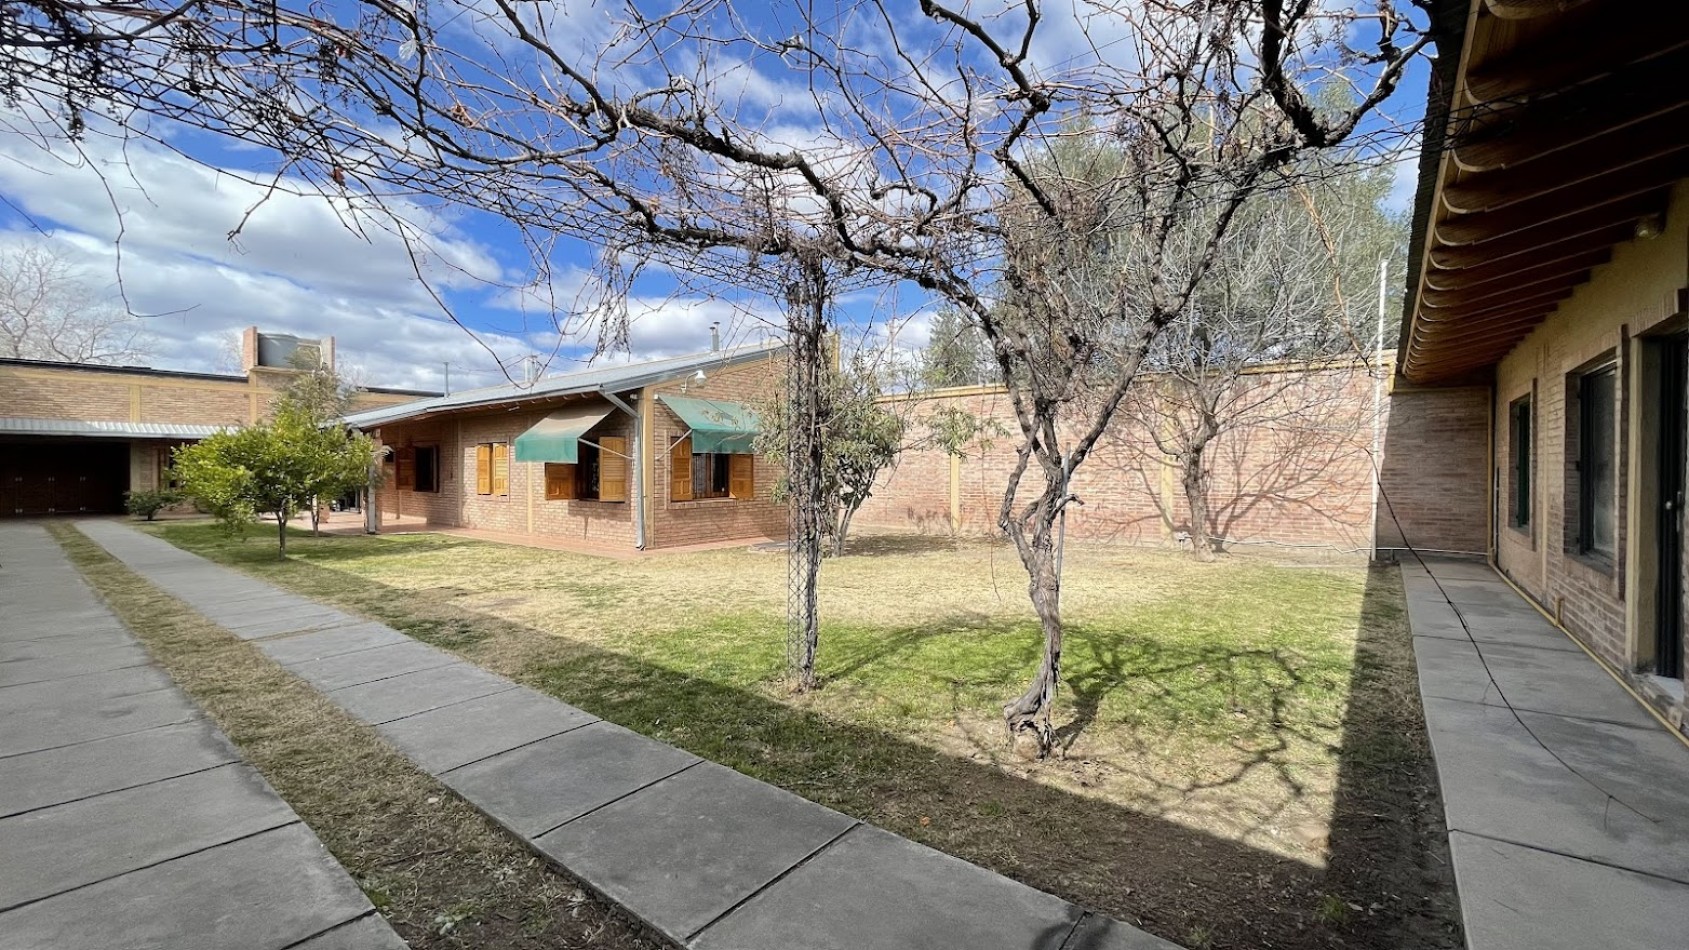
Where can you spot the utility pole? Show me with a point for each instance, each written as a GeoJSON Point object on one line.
{"type": "Point", "coordinates": [446, 366]}
{"type": "Point", "coordinates": [1378, 401]}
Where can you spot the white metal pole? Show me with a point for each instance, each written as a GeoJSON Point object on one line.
{"type": "Point", "coordinates": [1378, 400]}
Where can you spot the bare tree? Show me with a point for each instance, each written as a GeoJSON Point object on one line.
{"type": "Point", "coordinates": [1277, 293]}
{"type": "Point", "coordinates": [50, 311]}
{"type": "Point", "coordinates": [878, 141]}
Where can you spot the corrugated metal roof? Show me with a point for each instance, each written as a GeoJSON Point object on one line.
{"type": "Point", "coordinates": [615, 379]}
{"type": "Point", "coordinates": [107, 430]}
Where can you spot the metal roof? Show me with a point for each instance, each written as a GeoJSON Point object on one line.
{"type": "Point", "coordinates": [107, 430]}
{"type": "Point", "coordinates": [614, 379]}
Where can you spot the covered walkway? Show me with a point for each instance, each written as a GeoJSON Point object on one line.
{"type": "Point", "coordinates": [1567, 801]}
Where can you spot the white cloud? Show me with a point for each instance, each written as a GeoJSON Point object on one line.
{"type": "Point", "coordinates": [296, 268]}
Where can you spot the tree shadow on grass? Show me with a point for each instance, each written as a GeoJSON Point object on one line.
{"type": "Point", "coordinates": [1190, 886]}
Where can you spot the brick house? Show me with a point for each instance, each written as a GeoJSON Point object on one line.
{"type": "Point", "coordinates": [1539, 409]}
{"type": "Point", "coordinates": [648, 455]}
{"type": "Point", "coordinates": [75, 436]}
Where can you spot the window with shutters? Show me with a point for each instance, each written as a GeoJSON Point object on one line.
{"type": "Point", "coordinates": [699, 475]}
{"type": "Point", "coordinates": [602, 472]}
{"type": "Point", "coordinates": [492, 468]}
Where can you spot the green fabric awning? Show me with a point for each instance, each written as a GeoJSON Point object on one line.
{"type": "Point", "coordinates": [717, 427]}
{"type": "Point", "coordinates": [557, 437]}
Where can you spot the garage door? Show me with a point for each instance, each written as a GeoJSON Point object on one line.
{"type": "Point", "coordinates": [50, 478]}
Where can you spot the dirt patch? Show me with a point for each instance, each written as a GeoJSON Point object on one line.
{"type": "Point", "coordinates": [441, 873]}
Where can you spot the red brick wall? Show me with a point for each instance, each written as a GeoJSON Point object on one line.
{"type": "Point", "coordinates": [1297, 472]}
{"type": "Point", "coordinates": [1434, 484]}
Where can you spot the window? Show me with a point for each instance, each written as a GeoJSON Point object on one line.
{"type": "Point", "coordinates": [492, 468]}
{"type": "Point", "coordinates": [1520, 445]}
{"type": "Point", "coordinates": [599, 474]}
{"type": "Point", "coordinates": [427, 466]}
{"type": "Point", "coordinates": [1597, 472]}
{"type": "Point", "coordinates": [709, 474]}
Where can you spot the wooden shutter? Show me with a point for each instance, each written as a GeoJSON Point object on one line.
{"type": "Point", "coordinates": [483, 469]}
{"type": "Point", "coordinates": [680, 470]}
{"type": "Point", "coordinates": [613, 469]}
{"type": "Point", "coordinates": [559, 481]}
{"type": "Point", "coordinates": [501, 468]}
{"type": "Point", "coordinates": [404, 469]}
{"type": "Point", "coordinates": [742, 477]}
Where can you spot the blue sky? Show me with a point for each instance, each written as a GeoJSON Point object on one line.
{"type": "Point", "coordinates": [296, 268]}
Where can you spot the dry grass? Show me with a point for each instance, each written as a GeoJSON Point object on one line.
{"type": "Point", "coordinates": [1224, 782]}
{"type": "Point", "coordinates": [439, 871]}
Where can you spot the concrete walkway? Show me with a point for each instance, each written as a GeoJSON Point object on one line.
{"type": "Point", "coordinates": [126, 819]}
{"type": "Point", "coordinates": [1567, 803]}
{"type": "Point", "coordinates": [704, 855]}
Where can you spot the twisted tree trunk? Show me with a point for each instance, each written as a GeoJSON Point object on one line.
{"type": "Point", "coordinates": [1032, 534]}
{"type": "Point", "coordinates": [1194, 477]}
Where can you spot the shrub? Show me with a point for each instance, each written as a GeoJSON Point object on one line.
{"type": "Point", "coordinates": [147, 504]}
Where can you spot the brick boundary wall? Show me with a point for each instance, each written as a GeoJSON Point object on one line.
{"type": "Point", "coordinates": [1300, 476]}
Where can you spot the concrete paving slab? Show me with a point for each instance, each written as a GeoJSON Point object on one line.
{"type": "Point", "coordinates": [365, 933]}
{"type": "Point", "coordinates": [1501, 782]}
{"type": "Point", "coordinates": [108, 684]}
{"type": "Point", "coordinates": [40, 724]}
{"type": "Point", "coordinates": [364, 666]}
{"type": "Point", "coordinates": [874, 889]}
{"type": "Point", "coordinates": [63, 644]}
{"type": "Point", "coordinates": [1517, 898]}
{"type": "Point", "coordinates": [399, 696]}
{"type": "Point", "coordinates": [265, 892]}
{"type": "Point", "coordinates": [57, 776]}
{"type": "Point", "coordinates": [445, 739]}
{"type": "Point", "coordinates": [1533, 632]}
{"type": "Point", "coordinates": [538, 787]}
{"type": "Point", "coordinates": [55, 849]}
{"type": "Point", "coordinates": [682, 852]}
{"type": "Point", "coordinates": [50, 668]}
{"type": "Point", "coordinates": [305, 647]}
{"type": "Point", "coordinates": [1101, 933]}
{"type": "Point", "coordinates": [23, 623]}
{"type": "Point", "coordinates": [287, 621]}
{"type": "Point", "coordinates": [245, 604]}
{"type": "Point", "coordinates": [1549, 681]}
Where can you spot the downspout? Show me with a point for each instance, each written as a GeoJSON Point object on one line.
{"type": "Point", "coordinates": [636, 491]}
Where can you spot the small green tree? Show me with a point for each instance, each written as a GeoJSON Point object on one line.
{"type": "Point", "coordinates": [319, 395]}
{"type": "Point", "coordinates": [860, 437]}
{"type": "Point", "coordinates": [272, 468]}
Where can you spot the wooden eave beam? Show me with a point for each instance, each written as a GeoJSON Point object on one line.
{"type": "Point", "coordinates": [1522, 134]}
{"type": "Point", "coordinates": [1505, 274]}
{"type": "Point", "coordinates": [1451, 298]}
{"type": "Point", "coordinates": [1598, 203]}
{"type": "Point", "coordinates": [1462, 313]}
{"type": "Point", "coordinates": [1582, 45]}
{"type": "Point", "coordinates": [1584, 232]}
{"type": "Point", "coordinates": [1529, 9]}
{"type": "Point", "coordinates": [1633, 147]}
{"type": "Point", "coordinates": [1478, 335]}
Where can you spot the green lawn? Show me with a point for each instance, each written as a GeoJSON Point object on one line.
{"type": "Point", "coordinates": [1219, 756]}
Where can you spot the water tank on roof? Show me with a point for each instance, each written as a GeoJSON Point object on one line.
{"type": "Point", "coordinates": [286, 351]}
